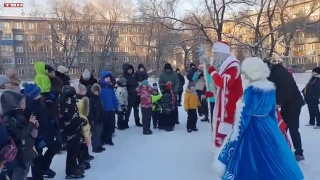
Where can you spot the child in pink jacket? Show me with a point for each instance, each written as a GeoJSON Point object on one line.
{"type": "Point", "coordinates": [144, 90]}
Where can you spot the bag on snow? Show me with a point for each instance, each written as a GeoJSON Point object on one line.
{"type": "Point", "coordinates": [283, 127]}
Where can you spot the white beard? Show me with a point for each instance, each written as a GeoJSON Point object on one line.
{"type": "Point", "coordinates": [218, 59]}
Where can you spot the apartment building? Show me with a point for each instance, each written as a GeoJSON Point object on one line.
{"type": "Point", "coordinates": [26, 40]}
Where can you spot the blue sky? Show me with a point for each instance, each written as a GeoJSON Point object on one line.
{"type": "Point", "coordinates": [28, 6]}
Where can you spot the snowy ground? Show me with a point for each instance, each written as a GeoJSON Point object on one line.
{"type": "Point", "coordinates": [177, 155]}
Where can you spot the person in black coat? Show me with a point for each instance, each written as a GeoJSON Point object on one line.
{"type": "Point", "coordinates": [311, 96]}
{"type": "Point", "coordinates": [133, 100]}
{"type": "Point", "coordinates": [22, 131]}
{"type": "Point", "coordinates": [70, 125]}
{"type": "Point", "coordinates": [46, 133]}
{"type": "Point", "coordinates": [289, 98]}
{"type": "Point", "coordinates": [181, 84]}
{"type": "Point", "coordinates": [141, 74]}
{"type": "Point", "coordinates": [191, 72]}
{"type": "Point", "coordinates": [96, 117]}
{"type": "Point", "coordinates": [63, 73]}
{"type": "Point", "coordinates": [87, 78]}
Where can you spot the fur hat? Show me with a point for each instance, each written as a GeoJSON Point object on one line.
{"type": "Point", "coordinates": [80, 88]}
{"type": "Point", "coordinates": [86, 74]}
{"type": "Point", "coordinates": [255, 69]}
{"type": "Point", "coordinates": [221, 47]}
{"type": "Point", "coordinates": [95, 87]}
{"type": "Point", "coordinates": [122, 80]}
{"type": "Point", "coordinates": [316, 70]}
{"type": "Point", "coordinates": [49, 68]}
{"type": "Point", "coordinates": [62, 69]}
{"type": "Point", "coordinates": [145, 82]}
{"type": "Point", "coordinates": [31, 91]}
{"type": "Point", "coordinates": [167, 66]}
{"type": "Point", "coordinates": [4, 79]}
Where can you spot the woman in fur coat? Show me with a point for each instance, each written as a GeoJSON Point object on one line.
{"type": "Point", "coordinates": [256, 149]}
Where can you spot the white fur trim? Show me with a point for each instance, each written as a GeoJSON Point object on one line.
{"type": "Point", "coordinates": [221, 48]}
{"type": "Point", "coordinates": [231, 61]}
{"type": "Point", "coordinates": [213, 73]}
{"type": "Point", "coordinates": [219, 168]}
{"type": "Point", "coordinates": [255, 69]}
{"type": "Point", "coordinates": [236, 126]}
{"type": "Point", "coordinates": [225, 128]}
{"type": "Point", "coordinates": [263, 84]}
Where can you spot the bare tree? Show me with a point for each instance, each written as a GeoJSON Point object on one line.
{"type": "Point", "coordinates": [70, 23]}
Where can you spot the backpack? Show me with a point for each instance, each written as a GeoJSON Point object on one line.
{"type": "Point", "coordinates": [166, 103]}
{"type": "Point", "coordinates": [8, 153]}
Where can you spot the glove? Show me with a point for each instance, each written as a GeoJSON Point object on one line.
{"type": "Point", "coordinates": [211, 69]}
{"type": "Point", "coordinates": [208, 94]}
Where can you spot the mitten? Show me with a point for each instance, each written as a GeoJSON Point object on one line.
{"type": "Point", "coordinates": [211, 69]}
{"type": "Point", "coordinates": [208, 94]}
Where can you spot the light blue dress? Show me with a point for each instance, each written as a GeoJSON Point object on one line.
{"type": "Point", "coordinates": [257, 150]}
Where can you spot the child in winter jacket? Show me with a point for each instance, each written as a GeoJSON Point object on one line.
{"type": "Point", "coordinates": [122, 95]}
{"type": "Point", "coordinates": [22, 131]}
{"type": "Point", "coordinates": [83, 108]}
{"type": "Point", "coordinates": [110, 105]}
{"type": "Point", "coordinates": [311, 96]}
{"type": "Point", "coordinates": [191, 103]}
{"type": "Point", "coordinates": [167, 121]}
{"type": "Point", "coordinates": [144, 90]}
{"type": "Point", "coordinates": [70, 124]}
{"type": "Point", "coordinates": [96, 117]}
{"type": "Point", "coordinates": [46, 133]}
{"type": "Point", "coordinates": [156, 106]}
{"type": "Point", "coordinates": [200, 87]}
{"type": "Point", "coordinates": [42, 79]}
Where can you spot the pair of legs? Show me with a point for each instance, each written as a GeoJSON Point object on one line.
{"type": "Point", "coordinates": [314, 113]}
{"type": "Point", "coordinates": [135, 107]}
{"type": "Point", "coordinates": [108, 127]}
{"type": "Point", "coordinates": [192, 120]}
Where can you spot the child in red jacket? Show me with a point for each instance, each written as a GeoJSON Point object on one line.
{"type": "Point", "coordinates": [144, 90]}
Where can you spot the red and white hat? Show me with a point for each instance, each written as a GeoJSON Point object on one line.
{"type": "Point", "coordinates": [221, 47]}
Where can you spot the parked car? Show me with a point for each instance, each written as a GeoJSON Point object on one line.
{"type": "Point", "coordinates": [295, 69]}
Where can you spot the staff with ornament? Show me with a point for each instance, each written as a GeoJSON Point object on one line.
{"type": "Point", "coordinates": [226, 75]}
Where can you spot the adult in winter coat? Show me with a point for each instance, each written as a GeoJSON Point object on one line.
{"type": "Point", "coordinates": [46, 132]}
{"type": "Point", "coordinates": [181, 84]}
{"type": "Point", "coordinates": [87, 78]}
{"type": "Point", "coordinates": [311, 96]}
{"type": "Point", "coordinates": [133, 100]}
{"type": "Point", "coordinates": [22, 131]}
{"type": "Point", "coordinates": [169, 76]}
{"type": "Point", "coordinates": [191, 72]}
{"type": "Point", "coordinates": [15, 81]}
{"type": "Point", "coordinates": [141, 74]}
{"type": "Point", "coordinates": [290, 100]}
{"type": "Point", "coordinates": [63, 74]}
{"type": "Point", "coordinates": [256, 148]}
{"type": "Point", "coordinates": [200, 86]}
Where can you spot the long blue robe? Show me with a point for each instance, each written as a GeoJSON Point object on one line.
{"type": "Point", "coordinates": [257, 150]}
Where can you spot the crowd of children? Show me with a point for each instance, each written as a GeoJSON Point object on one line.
{"type": "Point", "coordinates": [51, 115]}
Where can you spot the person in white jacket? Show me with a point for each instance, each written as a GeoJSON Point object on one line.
{"type": "Point", "coordinates": [122, 95]}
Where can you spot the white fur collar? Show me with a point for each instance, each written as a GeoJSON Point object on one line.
{"type": "Point", "coordinates": [262, 84]}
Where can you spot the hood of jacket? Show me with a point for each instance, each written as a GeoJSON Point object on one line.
{"type": "Point", "coordinates": [125, 68]}
{"type": "Point", "coordinates": [10, 100]}
{"type": "Point", "coordinates": [141, 66]}
{"type": "Point", "coordinates": [40, 68]}
{"type": "Point", "coordinates": [91, 88]}
{"type": "Point", "coordinates": [102, 76]}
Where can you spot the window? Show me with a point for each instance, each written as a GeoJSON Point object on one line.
{"type": "Point", "coordinates": [115, 49]}
{"type": "Point", "coordinates": [91, 28]}
{"type": "Point", "coordinates": [104, 28]}
{"type": "Point", "coordinates": [45, 49]}
{"type": "Point", "coordinates": [20, 61]}
{"type": "Point", "coordinates": [125, 59]}
{"type": "Point", "coordinates": [18, 26]}
{"type": "Point", "coordinates": [21, 72]}
{"type": "Point", "coordinates": [134, 49]}
{"type": "Point", "coordinates": [116, 59]}
{"type": "Point", "coordinates": [31, 48]}
{"type": "Point", "coordinates": [31, 26]}
{"type": "Point", "coordinates": [91, 37]}
{"type": "Point", "coordinates": [125, 39]}
{"type": "Point", "coordinates": [32, 60]}
{"type": "Point", "coordinates": [144, 49]}
{"type": "Point", "coordinates": [126, 49]}
{"type": "Point", "coordinates": [82, 60]}
{"type": "Point", "coordinates": [134, 39]}
{"type": "Point", "coordinates": [19, 49]}
{"type": "Point", "coordinates": [81, 49]}
{"type": "Point", "coordinates": [72, 71]}
{"type": "Point", "coordinates": [6, 25]}
{"type": "Point", "coordinates": [7, 36]}
{"type": "Point", "coordinates": [124, 29]}
{"type": "Point", "coordinates": [135, 59]}
{"type": "Point", "coordinates": [7, 61]}
{"type": "Point", "coordinates": [6, 48]}
{"type": "Point", "coordinates": [31, 37]}
{"type": "Point", "coordinates": [18, 37]}
{"type": "Point", "coordinates": [45, 37]}
{"type": "Point", "coordinates": [57, 26]}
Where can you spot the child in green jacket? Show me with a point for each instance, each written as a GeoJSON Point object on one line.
{"type": "Point", "coordinates": [156, 107]}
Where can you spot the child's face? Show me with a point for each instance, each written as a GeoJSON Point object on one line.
{"type": "Point", "coordinates": [192, 88]}
{"type": "Point", "coordinates": [52, 74]}
{"type": "Point", "coordinates": [96, 93]}
{"type": "Point", "coordinates": [107, 79]}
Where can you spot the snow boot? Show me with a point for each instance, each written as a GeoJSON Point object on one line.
{"type": "Point", "coordinates": [85, 165]}
{"type": "Point", "coordinates": [317, 127]}
{"type": "Point", "coordinates": [147, 132]}
{"type": "Point", "coordinates": [49, 174]}
{"type": "Point", "coordinates": [299, 158]}
{"type": "Point", "coordinates": [194, 129]}
{"type": "Point", "coordinates": [75, 176]}
{"type": "Point", "coordinates": [189, 130]}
